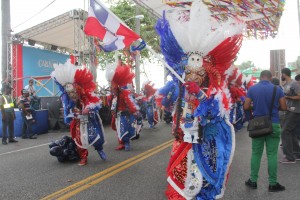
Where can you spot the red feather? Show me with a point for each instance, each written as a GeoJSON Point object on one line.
{"type": "Point", "coordinates": [85, 86]}
{"type": "Point", "coordinates": [224, 54]}
{"type": "Point", "coordinates": [123, 75]}
{"type": "Point", "coordinates": [149, 90]}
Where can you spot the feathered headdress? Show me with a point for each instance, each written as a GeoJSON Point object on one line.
{"type": "Point", "coordinates": [194, 38]}
{"type": "Point", "coordinates": [149, 89]}
{"type": "Point", "coordinates": [71, 78]}
{"type": "Point", "coordinates": [119, 75]}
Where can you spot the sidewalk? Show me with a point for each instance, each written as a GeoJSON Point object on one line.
{"type": "Point", "coordinates": [288, 175]}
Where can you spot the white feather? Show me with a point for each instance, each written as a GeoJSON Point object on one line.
{"type": "Point", "coordinates": [64, 73]}
{"type": "Point", "coordinates": [110, 71]}
{"type": "Point", "coordinates": [198, 31]}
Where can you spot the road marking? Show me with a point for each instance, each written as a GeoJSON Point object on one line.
{"type": "Point", "coordinates": [97, 178]}
{"type": "Point", "coordinates": [24, 149]}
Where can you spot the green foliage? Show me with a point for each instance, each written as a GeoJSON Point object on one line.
{"type": "Point", "coordinates": [246, 65]}
{"type": "Point", "coordinates": [126, 11]}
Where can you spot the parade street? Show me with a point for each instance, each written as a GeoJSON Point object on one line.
{"type": "Point", "coordinates": [28, 171]}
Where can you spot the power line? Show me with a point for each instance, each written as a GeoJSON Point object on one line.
{"type": "Point", "coordinates": [34, 15]}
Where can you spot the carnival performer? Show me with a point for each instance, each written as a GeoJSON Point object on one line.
{"type": "Point", "coordinates": [166, 98]}
{"type": "Point", "coordinates": [124, 107]}
{"type": "Point", "coordinates": [238, 85]}
{"type": "Point", "coordinates": [139, 118]}
{"type": "Point", "coordinates": [200, 49]}
{"type": "Point", "coordinates": [152, 113]}
{"type": "Point", "coordinates": [81, 108]}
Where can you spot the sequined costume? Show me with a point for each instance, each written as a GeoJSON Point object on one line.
{"type": "Point", "coordinates": [200, 49]}
{"type": "Point", "coordinates": [81, 108]}
{"type": "Point", "coordinates": [124, 107]}
{"type": "Point", "coordinates": [166, 98]}
{"type": "Point", "coordinates": [152, 113]}
{"type": "Point", "coordinates": [237, 84]}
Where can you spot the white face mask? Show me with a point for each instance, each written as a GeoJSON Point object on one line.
{"type": "Point", "coordinates": [71, 91]}
{"type": "Point", "coordinates": [195, 61]}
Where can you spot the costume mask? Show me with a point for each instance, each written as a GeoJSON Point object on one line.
{"type": "Point", "coordinates": [71, 91]}
{"type": "Point", "coordinates": [195, 60]}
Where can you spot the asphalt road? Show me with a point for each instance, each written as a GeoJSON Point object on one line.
{"type": "Point", "coordinates": [28, 171]}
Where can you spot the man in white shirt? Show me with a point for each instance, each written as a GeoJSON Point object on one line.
{"type": "Point", "coordinates": [30, 88]}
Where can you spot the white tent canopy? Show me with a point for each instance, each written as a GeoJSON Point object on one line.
{"type": "Point", "coordinates": [64, 31]}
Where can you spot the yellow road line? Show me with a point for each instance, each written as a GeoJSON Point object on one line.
{"type": "Point", "coordinates": [102, 178]}
{"type": "Point", "coordinates": [95, 176]}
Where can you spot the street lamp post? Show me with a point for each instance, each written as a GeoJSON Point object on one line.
{"type": "Point", "coordinates": [298, 5]}
{"type": "Point", "coordinates": [137, 73]}
{"type": "Point", "coordinates": [138, 56]}
{"type": "Point", "coordinates": [138, 18]}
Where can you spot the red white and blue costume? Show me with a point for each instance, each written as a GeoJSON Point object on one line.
{"type": "Point", "coordinates": [124, 107]}
{"type": "Point", "coordinates": [152, 112]}
{"type": "Point", "coordinates": [81, 108]}
{"type": "Point", "coordinates": [166, 98]}
{"type": "Point", "coordinates": [200, 50]}
{"type": "Point", "coordinates": [237, 84]}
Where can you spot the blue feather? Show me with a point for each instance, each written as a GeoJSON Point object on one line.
{"type": "Point", "coordinates": [173, 53]}
{"type": "Point", "coordinates": [170, 87]}
{"type": "Point", "coordinates": [67, 102]}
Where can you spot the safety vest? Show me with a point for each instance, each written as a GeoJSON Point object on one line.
{"type": "Point", "coordinates": [7, 105]}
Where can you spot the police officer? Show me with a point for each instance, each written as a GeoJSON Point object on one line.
{"type": "Point", "coordinates": [8, 115]}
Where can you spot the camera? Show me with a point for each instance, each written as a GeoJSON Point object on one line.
{"type": "Point", "coordinates": [291, 92]}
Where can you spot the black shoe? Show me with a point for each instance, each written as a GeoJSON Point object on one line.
{"type": "Point", "coordinates": [276, 188]}
{"type": "Point", "coordinates": [12, 141]}
{"type": "Point", "coordinates": [32, 137]}
{"type": "Point", "coordinates": [4, 142]}
{"type": "Point", "coordinates": [251, 184]}
{"type": "Point", "coordinates": [24, 137]}
{"type": "Point", "coordinates": [136, 137]}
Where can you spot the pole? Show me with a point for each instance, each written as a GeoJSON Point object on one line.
{"type": "Point", "coordinates": [5, 9]}
{"type": "Point", "coordinates": [298, 5]}
{"type": "Point", "coordinates": [138, 56]}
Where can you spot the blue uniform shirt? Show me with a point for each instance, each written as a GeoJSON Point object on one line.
{"type": "Point", "coordinates": [261, 95]}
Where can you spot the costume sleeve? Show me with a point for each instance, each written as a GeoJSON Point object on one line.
{"type": "Point", "coordinates": [67, 105]}
{"type": "Point", "coordinates": [130, 101]}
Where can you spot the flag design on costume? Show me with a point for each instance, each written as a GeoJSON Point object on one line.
{"type": "Point", "coordinates": [103, 24]}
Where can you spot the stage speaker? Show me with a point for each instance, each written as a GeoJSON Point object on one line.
{"type": "Point", "coordinates": [53, 47]}
{"type": "Point", "coordinates": [31, 42]}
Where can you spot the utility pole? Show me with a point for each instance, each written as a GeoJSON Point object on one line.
{"type": "Point", "coordinates": [6, 33]}
{"type": "Point", "coordinates": [298, 6]}
{"type": "Point", "coordinates": [138, 56]}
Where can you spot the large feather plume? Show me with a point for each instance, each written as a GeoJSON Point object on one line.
{"type": "Point", "coordinates": [64, 73]}
{"type": "Point", "coordinates": [110, 71]}
{"type": "Point", "coordinates": [173, 53]}
{"type": "Point", "coordinates": [81, 79]}
{"type": "Point", "coordinates": [196, 30]}
{"type": "Point", "coordinates": [122, 75]}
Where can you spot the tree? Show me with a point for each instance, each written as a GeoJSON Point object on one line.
{"type": "Point", "coordinates": [246, 65]}
{"type": "Point", "coordinates": [125, 10]}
